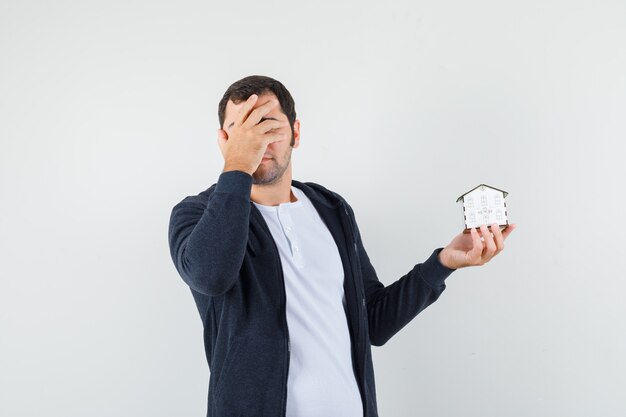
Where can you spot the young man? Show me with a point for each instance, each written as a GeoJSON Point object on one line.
{"type": "Point", "coordinates": [289, 300]}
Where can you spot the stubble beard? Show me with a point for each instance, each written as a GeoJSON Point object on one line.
{"type": "Point", "coordinates": [271, 172]}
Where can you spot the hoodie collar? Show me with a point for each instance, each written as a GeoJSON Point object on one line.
{"type": "Point", "coordinates": [319, 193]}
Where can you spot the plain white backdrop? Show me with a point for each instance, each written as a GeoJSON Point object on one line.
{"type": "Point", "coordinates": [108, 112]}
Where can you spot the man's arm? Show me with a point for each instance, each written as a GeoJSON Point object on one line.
{"type": "Point", "coordinates": [392, 307]}
{"type": "Point", "coordinates": [208, 239]}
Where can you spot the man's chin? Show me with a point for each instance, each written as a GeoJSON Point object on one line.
{"type": "Point", "coordinates": [264, 176]}
{"type": "Point", "coordinates": [268, 173]}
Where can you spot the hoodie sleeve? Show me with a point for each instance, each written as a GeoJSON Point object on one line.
{"type": "Point", "coordinates": [391, 308]}
{"type": "Point", "coordinates": [208, 237]}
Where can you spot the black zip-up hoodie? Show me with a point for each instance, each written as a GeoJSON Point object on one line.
{"type": "Point", "coordinates": [223, 249]}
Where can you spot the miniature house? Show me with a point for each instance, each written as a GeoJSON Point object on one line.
{"type": "Point", "coordinates": [484, 205]}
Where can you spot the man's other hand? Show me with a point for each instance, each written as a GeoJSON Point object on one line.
{"type": "Point", "coordinates": [475, 248]}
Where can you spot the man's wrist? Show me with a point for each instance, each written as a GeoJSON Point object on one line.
{"type": "Point", "coordinates": [235, 182]}
{"type": "Point", "coordinates": [443, 259]}
{"type": "Point", "coordinates": [231, 167]}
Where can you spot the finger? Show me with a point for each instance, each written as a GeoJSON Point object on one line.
{"type": "Point", "coordinates": [497, 237]}
{"type": "Point", "coordinates": [222, 138]}
{"type": "Point", "coordinates": [490, 244]}
{"type": "Point", "coordinates": [474, 255]}
{"type": "Point", "coordinates": [257, 114]}
{"type": "Point", "coordinates": [221, 134]}
{"type": "Point", "coordinates": [270, 124]}
{"type": "Point", "coordinates": [244, 111]}
{"type": "Point", "coordinates": [274, 137]}
{"type": "Point", "coordinates": [506, 232]}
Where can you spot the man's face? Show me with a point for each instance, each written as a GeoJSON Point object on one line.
{"type": "Point", "coordinates": [270, 170]}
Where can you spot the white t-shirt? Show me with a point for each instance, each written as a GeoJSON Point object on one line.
{"type": "Point", "coordinates": [321, 380]}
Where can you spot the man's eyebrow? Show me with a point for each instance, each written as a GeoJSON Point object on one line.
{"type": "Point", "coordinates": [262, 119]}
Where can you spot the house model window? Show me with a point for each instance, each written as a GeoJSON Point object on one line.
{"type": "Point", "coordinates": [484, 205]}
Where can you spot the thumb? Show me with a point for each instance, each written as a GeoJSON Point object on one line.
{"type": "Point", "coordinates": [222, 138]}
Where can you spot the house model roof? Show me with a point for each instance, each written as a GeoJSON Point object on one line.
{"type": "Point", "coordinates": [494, 188]}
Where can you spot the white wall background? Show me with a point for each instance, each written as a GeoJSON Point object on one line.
{"type": "Point", "coordinates": [108, 117]}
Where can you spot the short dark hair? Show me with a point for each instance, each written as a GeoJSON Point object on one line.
{"type": "Point", "coordinates": [258, 84]}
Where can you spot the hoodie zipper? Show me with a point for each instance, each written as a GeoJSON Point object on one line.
{"type": "Point", "coordinates": [359, 330]}
{"type": "Point", "coordinates": [288, 355]}
{"type": "Point", "coordinates": [284, 309]}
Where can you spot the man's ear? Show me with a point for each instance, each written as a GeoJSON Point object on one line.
{"type": "Point", "coordinates": [296, 133]}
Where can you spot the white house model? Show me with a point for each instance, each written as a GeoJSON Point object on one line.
{"type": "Point", "coordinates": [484, 205]}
